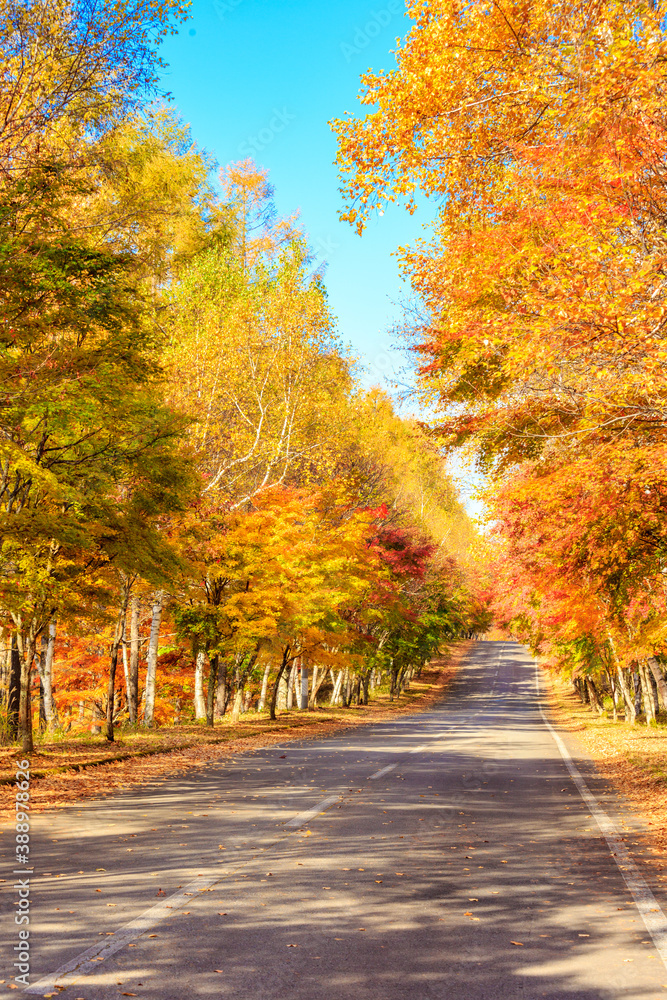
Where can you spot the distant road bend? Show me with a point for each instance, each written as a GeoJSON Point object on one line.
{"type": "Point", "coordinates": [447, 855]}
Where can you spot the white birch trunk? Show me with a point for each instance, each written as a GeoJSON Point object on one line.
{"type": "Point", "coordinates": [265, 687]}
{"type": "Point", "coordinates": [282, 693]}
{"type": "Point", "coordinates": [126, 667]}
{"type": "Point", "coordinates": [45, 669]}
{"type": "Point", "coordinates": [654, 667]}
{"type": "Point", "coordinates": [151, 660]}
{"type": "Point", "coordinates": [650, 707]}
{"type": "Point", "coordinates": [199, 699]}
{"type": "Point", "coordinates": [336, 688]}
{"type": "Point", "coordinates": [290, 687]}
{"type": "Point", "coordinates": [238, 701]}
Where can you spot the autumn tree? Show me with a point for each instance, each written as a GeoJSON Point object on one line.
{"type": "Point", "coordinates": [541, 339]}
{"type": "Point", "coordinates": [74, 326]}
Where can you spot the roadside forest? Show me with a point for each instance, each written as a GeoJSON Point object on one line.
{"type": "Point", "coordinates": [541, 131]}
{"type": "Point", "coordinates": [201, 510]}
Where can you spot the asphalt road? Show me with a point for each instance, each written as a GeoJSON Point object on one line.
{"type": "Point", "coordinates": [441, 856]}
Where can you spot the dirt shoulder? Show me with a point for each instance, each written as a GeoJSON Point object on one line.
{"type": "Point", "coordinates": [66, 771]}
{"type": "Point", "coordinates": [633, 759]}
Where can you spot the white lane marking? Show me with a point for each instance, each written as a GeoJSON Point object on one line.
{"type": "Point", "coordinates": [382, 771]}
{"type": "Point", "coordinates": [417, 749]}
{"type": "Point", "coordinates": [71, 971]}
{"type": "Point", "coordinates": [303, 817]}
{"type": "Point", "coordinates": [86, 961]}
{"type": "Point", "coordinates": [652, 914]}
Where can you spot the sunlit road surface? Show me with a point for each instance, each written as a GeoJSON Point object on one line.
{"type": "Point", "coordinates": [443, 855]}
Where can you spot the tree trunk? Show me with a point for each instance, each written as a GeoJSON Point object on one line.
{"type": "Point", "coordinates": [290, 686]}
{"type": "Point", "coordinates": [14, 693]}
{"type": "Point", "coordinates": [319, 677]}
{"type": "Point", "coordinates": [347, 689]}
{"type": "Point", "coordinates": [659, 678]}
{"type": "Point", "coordinates": [628, 695]}
{"type": "Point", "coordinates": [113, 655]}
{"type": "Point", "coordinates": [392, 688]}
{"type": "Point", "coordinates": [45, 668]}
{"type": "Point", "coordinates": [200, 700]}
{"type": "Point", "coordinates": [366, 680]}
{"type": "Point", "coordinates": [214, 662]}
{"type": "Point", "coordinates": [650, 708]}
{"type": "Point", "coordinates": [27, 654]}
{"type": "Point", "coordinates": [42, 710]}
{"type": "Point", "coordinates": [593, 696]}
{"type": "Point", "coordinates": [151, 660]}
{"type": "Point", "coordinates": [238, 702]}
{"type": "Point", "coordinates": [638, 689]}
{"type": "Point", "coordinates": [111, 690]}
{"type": "Point", "coordinates": [276, 683]}
{"type": "Point", "coordinates": [5, 664]}
{"type": "Point", "coordinates": [337, 684]}
{"type": "Point", "coordinates": [133, 696]}
{"type": "Point", "coordinates": [223, 691]}
{"type": "Point", "coordinates": [303, 705]}
{"type": "Point", "coordinates": [126, 666]}
{"type": "Point", "coordinates": [265, 687]}
{"type": "Point", "coordinates": [612, 688]}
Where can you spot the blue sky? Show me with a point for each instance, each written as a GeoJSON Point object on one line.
{"type": "Point", "coordinates": [262, 78]}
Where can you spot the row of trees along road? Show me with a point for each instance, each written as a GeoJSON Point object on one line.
{"type": "Point", "coordinates": [542, 130]}
{"type": "Point", "coordinates": [198, 501]}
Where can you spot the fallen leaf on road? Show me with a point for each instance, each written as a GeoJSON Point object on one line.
{"type": "Point", "coordinates": [217, 970]}
{"type": "Point", "coordinates": [378, 881]}
{"type": "Point", "coordinates": [292, 946]}
{"type": "Point", "coordinates": [222, 914]}
{"type": "Point", "coordinates": [518, 943]}
{"type": "Point", "coordinates": [361, 928]}
{"type": "Point", "coordinates": [129, 994]}
{"type": "Point", "coordinates": [152, 935]}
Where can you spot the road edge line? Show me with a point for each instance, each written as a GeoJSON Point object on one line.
{"type": "Point", "coordinates": [651, 912]}
{"type": "Point", "coordinates": [82, 963]}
